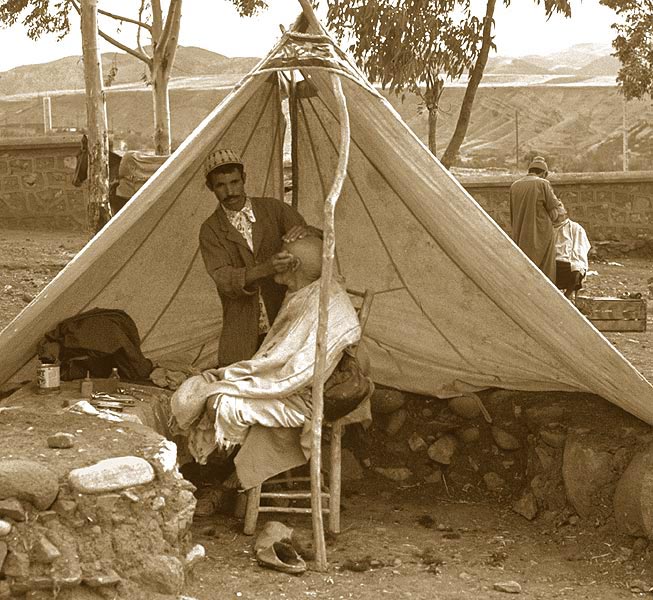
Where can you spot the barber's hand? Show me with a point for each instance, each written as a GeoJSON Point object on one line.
{"type": "Point", "coordinates": [282, 261]}
{"type": "Point", "coordinates": [295, 233]}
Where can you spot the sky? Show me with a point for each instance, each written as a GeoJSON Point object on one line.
{"type": "Point", "coordinates": [520, 30]}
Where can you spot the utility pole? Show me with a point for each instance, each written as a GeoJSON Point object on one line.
{"type": "Point", "coordinates": [517, 141]}
{"type": "Point", "coordinates": [47, 115]}
{"type": "Point", "coordinates": [98, 212]}
{"type": "Point", "coordinates": [625, 135]}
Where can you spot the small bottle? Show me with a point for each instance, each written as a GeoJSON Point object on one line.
{"type": "Point", "coordinates": [86, 387]}
{"type": "Point", "coordinates": [114, 373]}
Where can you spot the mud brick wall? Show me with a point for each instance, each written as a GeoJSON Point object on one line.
{"type": "Point", "coordinates": [610, 206]}
{"type": "Point", "coordinates": [36, 190]}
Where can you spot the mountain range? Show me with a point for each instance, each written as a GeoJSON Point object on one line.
{"type": "Point", "coordinates": [580, 63]}
{"type": "Point", "coordinates": [565, 106]}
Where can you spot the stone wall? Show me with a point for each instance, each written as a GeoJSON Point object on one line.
{"type": "Point", "coordinates": [36, 190]}
{"type": "Point", "coordinates": [610, 206]}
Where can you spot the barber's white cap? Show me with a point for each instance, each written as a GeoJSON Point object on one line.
{"type": "Point", "coordinates": [219, 157]}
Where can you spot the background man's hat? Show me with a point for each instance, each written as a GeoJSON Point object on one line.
{"type": "Point", "coordinates": [538, 163]}
{"type": "Point", "coordinates": [217, 158]}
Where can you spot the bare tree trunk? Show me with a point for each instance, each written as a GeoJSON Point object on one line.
{"type": "Point", "coordinates": [162, 136]}
{"type": "Point", "coordinates": [451, 153]}
{"type": "Point", "coordinates": [433, 128]}
{"type": "Point", "coordinates": [98, 212]}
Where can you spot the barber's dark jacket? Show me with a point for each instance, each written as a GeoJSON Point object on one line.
{"type": "Point", "coordinates": [227, 256]}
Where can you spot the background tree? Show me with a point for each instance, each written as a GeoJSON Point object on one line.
{"type": "Point", "coordinates": [50, 16]}
{"type": "Point", "coordinates": [634, 46]}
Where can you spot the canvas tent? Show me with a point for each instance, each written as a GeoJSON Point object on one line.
{"type": "Point", "coordinates": [457, 307]}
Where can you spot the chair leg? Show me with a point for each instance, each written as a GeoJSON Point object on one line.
{"type": "Point", "coordinates": [334, 477]}
{"type": "Point", "coordinates": [251, 512]}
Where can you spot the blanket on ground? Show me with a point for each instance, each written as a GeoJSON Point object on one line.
{"type": "Point", "coordinates": [271, 390]}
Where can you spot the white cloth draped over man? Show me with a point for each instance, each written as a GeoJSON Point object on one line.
{"type": "Point", "coordinates": [264, 403]}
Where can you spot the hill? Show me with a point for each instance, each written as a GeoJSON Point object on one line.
{"type": "Point", "coordinates": [68, 73]}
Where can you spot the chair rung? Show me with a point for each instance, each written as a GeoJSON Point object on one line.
{"type": "Point", "coordinates": [278, 480]}
{"type": "Point", "coordinates": [289, 509]}
{"type": "Point", "coordinates": [291, 495]}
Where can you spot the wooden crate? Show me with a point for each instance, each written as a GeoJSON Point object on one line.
{"type": "Point", "coordinates": [614, 314]}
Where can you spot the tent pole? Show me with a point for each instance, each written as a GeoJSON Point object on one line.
{"type": "Point", "coordinates": [309, 13]}
{"type": "Point", "coordinates": [328, 254]}
{"type": "Point", "coordinates": [292, 106]}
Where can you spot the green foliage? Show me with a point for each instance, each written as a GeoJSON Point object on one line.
{"type": "Point", "coordinates": [634, 46]}
{"type": "Point", "coordinates": [409, 45]}
{"type": "Point", "coordinates": [38, 16]}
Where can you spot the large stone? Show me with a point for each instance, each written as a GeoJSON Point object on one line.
{"type": "Point", "coordinates": [28, 480]}
{"type": "Point", "coordinates": [386, 401]}
{"type": "Point", "coordinates": [395, 473]}
{"type": "Point", "coordinates": [44, 551]}
{"type": "Point", "coordinates": [504, 440]}
{"type": "Point", "coordinates": [526, 506]}
{"type": "Point", "coordinates": [5, 528]}
{"type": "Point", "coordinates": [633, 509]}
{"type": "Point", "coordinates": [466, 406]}
{"type": "Point", "coordinates": [111, 474]}
{"type": "Point", "coordinates": [162, 574]}
{"type": "Point", "coordinates": [443, 449]}
{"type": "Point", "coordinates": [493, 482]}
{"type": "Point", "coordinates": [61, 440]}
{"type": "Point", "coordinates": [12, 509]}
{"type": "Point", "coordinates": [585, 470]}
{"type": "Point", "coordinates": [396, 421]}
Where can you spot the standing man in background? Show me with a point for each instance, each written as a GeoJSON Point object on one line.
{"type": "Point", "coordinates": [533, 209]}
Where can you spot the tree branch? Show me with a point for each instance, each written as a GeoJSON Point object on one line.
{"type": "Point", "coordinates": [139, 55]}
{"type": "Point", "coordinates": [126, 19]}
{"type": "Point", "coordinates": [171, 28]}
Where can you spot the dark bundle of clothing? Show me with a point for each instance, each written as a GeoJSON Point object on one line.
{"type": "Point", "coordinates": [96, 341]}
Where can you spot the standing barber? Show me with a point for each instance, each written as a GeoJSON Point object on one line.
{"type": "Point", "coordinates": [241, 247]}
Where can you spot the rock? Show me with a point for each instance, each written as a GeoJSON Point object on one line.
{"type": "Point", "coordinates": [386, 401]}
{"type": "Point", "coordinates": [395, 473]}
{"type": "Point", "coordinates": [12, 509]}
{"type": "Point", "coordinates": [509, 587]}
{"type": "Point", "coordinates": [5, 589]}
{"type": "Point", "coordinates": [504, 440]}
{"type": "Point", "coordinates": [466, 406]}
{"type": "Point", "coordinates": [545, 414]}
{"type": "Point", "coordinates": [443, 449]}
{"type": "Point", "coordinates": [5, 528]}
{"type": "Point", "coordinates": [3, 554]}
{"type": "Point", "coordinates": [28, 480]}
{"type": "Point", "coordinates": [111, 474]}
{"type": "Point", "coordinates": [545, 456]}
{"type": "Point", "coordinates": [553, 437]}
{"type": "Point", "coordinates": [416, 443]}
{"type": "Point", "coordinates": [396, 421]}
{"type": "Point", "coordinates": [493, 482]}
{"type": "Point", "coordinates": [584, 471]}
{"type": "Point", "coordinates": [163, 574]}
{"type": "Point", "coordinates": [61, 440]}
{"type": "Point", "coordinates": [194, 555]}
{"type": "Point", "coordinates": [526, 506]}
{"type": "Point", "coordinates": [469, 435]}
{"type": "Point", "coordinates": [109, 578]}
{"type": "Point", "coordinates": [434, 477]}
{"type": "Point", "coordinates": [351, 469]}
{"type": "Point", "coordinates": [44, 551]}
{"type": "Point", "coordinates": [633, 509]}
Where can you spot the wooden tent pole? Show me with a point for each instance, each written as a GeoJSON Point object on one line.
{"type": "Point", "coordinates": [328, 254]}
{"type": "Point", "coordinates": [294, 133]}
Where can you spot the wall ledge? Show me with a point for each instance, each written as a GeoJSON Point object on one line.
{"type": "Point", "coordinates": [41, 142]}
{"type": "Point", "coordinates": [561, 179]}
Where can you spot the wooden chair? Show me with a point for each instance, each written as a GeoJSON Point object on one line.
{"type": "Point", "coordinates": [330, 493]}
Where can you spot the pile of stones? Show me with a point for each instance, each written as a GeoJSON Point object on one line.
{"type": "Point", "coordinates": [547, 455]}
{"type": "Point", "coordinates": [80, 529]}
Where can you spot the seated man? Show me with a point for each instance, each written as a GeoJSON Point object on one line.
{"type": "Point", "coordinates": [224, 407]}
{"type": "Point", "coordinates": [572, 248]}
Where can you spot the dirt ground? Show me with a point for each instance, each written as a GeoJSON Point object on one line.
{"type": "Point", "coordinates": [412, 539]}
